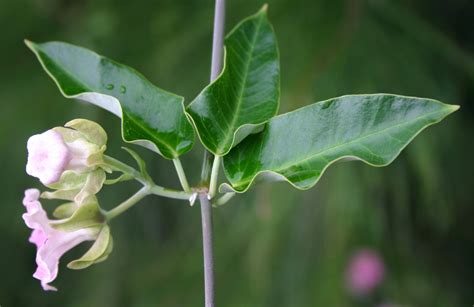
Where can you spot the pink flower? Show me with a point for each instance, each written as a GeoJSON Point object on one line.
{"type": "Point", "coordinates": [48, 156]}
{"type": "Point", "coordinates": [365, 272]}
{"type": "Point", "coordinates": [51, 243]}
{"type": "Point", "coordinates": [77, 147]}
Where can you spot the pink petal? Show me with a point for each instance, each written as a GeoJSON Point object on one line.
{"type": "Point", "coordinates": [51, 243]}
{"type": "Point", "coordinates": [35, 217]}
{"type": "Point", "coordinates": [38, 237]}
{"type": "Point", "coordinates": [365, 272]}
{"type": "Point", "coordinates": [80, 151]}
{"type": "Point", "coordinates": [48, 156]}
{"type": "Point", "coordinates": [49, 254]}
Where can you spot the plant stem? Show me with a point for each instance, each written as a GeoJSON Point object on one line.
{"type": "Point", "coordinates": [117, 165]}
{"type": "Point", "coordinates": [182, 176]}
{"type": "Point", "coordinates": [206, 209]}
{"type": "Point", "coordinates": [169, 193]}
{"type": "Point", "coordinates": [218, 39]}
{"type": "Point", "coordinates": [128, 203]}
{"type": "Point", "coordinates": [214, 176]}
{"type": "Point", "coordinates": [147, 182]}
{"type": "Point", "coordinates": [206, 168]}
{"type": "Point", "coordinates": [223, 200]}
{"type": "Point", "coordinates": [206, 217]}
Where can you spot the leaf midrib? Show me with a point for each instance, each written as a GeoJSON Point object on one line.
{"type": "Point", "coordinates": [235, 115]}
{"type": "Point", "coordinates": [151, 135]}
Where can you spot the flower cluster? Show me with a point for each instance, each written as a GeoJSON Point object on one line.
{"type": "Point", "coordinates": [68, 160]}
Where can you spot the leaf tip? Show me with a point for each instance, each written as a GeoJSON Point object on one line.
{"type": "Point", "coordinates": [264, 8]}
{"type": "Point", "coordinates": [28, 43]}
{"type": "Point", "coordinates": [455, 107]}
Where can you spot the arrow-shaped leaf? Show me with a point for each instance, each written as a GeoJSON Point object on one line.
{"type": "Point", "coordinates": [246, 94]}
{"type": "Point", "coordinates": [300, 145]}
{"type": "Point", "coordinates": [150, 116]}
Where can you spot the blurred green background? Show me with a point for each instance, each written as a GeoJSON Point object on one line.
{"type": "Point", "coordinates": [274, 246]}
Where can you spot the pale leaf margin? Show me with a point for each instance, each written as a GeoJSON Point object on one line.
{"type": "Point", "coordinates": [246, 129]}
{"type": "Point", "coordinates": [274, 176]}
{"type": "Point", "coordinates": [106, 102]}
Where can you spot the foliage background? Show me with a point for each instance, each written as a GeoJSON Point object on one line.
{"type": "Point", "coordinates": [274, 246]}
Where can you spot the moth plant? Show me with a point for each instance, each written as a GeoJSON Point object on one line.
{"type": "Point", "coordinates": [235, 117]}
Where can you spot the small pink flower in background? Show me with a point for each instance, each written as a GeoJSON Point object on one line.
{"type": "Point", "coordinates": [51, 243]}
{"type": "Point", "coordinates": [48, 156]}
{"type": "Point", "coordinates": [365, 272]}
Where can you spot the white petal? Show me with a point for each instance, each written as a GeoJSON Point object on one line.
{"type": "Point", "coordinates": [51, 243]}
{"type": "Point", "coordinates": [48, 155]}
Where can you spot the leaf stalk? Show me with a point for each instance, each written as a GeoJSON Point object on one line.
{"type": "Point", "coordinates": [214, 176]}
{"type": "Point", "coordinates": [223, 199]}
{"type": "Point", "coordinates": [181, 175]}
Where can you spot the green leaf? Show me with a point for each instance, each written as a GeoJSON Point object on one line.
{"type": "Point", "coordinates": [98, 252]}
{"type": "Point", "coordinates": [247, 92]}
{"type": "Point", "coordinates": [300, 145]}
{"type": "Point", "coordinates": [151, 117]}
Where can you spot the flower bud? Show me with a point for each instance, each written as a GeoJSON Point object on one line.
{"type": "Point", "coordinates": [79, 147]}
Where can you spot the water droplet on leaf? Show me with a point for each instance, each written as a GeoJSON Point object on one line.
{"type": "Point", "coordinates": [109, 86]}
{"type": "Point", "coordinates": [123, 89]}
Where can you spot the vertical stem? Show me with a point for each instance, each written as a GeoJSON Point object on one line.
{"type": "Point", "coordinates": [206, 217]}
{"type": "Point", "coordinates": [216, 67]}
{"type": "Point", "coordinates": [206, 209]}
{"type": "Point", "coordinates": [218, 39]}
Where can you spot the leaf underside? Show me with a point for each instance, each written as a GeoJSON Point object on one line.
{"type": "Point", "coordinates": [150, 116]}
{"type": "Point", "coordinates": [300, 145]}
{"type": "Point", "coordinates": [246, 94]}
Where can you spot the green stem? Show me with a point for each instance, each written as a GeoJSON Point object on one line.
{"type": "Point", "coordinates": [214, 176]}
{"type": "Point", "coordinates": [182, 176]}
{"type": "Point", "coordinates": [206, 168]}
{"type": "Point", "coordinates": [160, 191]}
{"type": "Point", "coordinates": [117, 165]}
{"type": "Point", "coordinates": [223, 200]}
{"type": "Point", "coordinates": [128, 203]}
